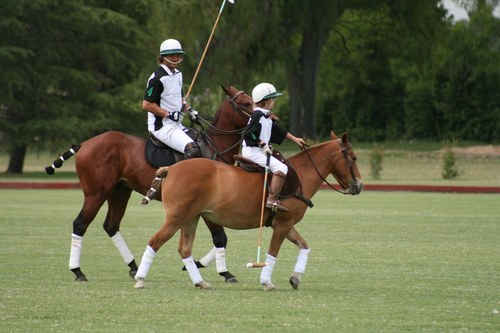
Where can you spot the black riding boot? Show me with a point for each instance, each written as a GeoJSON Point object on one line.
{"type": "Point", "coordinates": [275, 190]}
{"type": "Point", "coordinates": [192, 150]}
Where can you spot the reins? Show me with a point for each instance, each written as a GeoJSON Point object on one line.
{"type": "Point", "coordinates": [344, 151]}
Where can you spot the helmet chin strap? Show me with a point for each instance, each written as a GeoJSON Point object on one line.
{"type": "Point", "coordinates": [173, 62]}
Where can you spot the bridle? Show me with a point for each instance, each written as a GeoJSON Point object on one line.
{"type": "Point", "coordinates": [206, 123]}
{"type": "Point", "coordinates": [237, 107]}
{"type": "Point", "coordinates": [345, 153]}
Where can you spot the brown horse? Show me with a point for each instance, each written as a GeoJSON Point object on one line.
{"type": "Point", "coordinates": [112, 164]}
{"type": "Point", "coordinates": [231, 197]}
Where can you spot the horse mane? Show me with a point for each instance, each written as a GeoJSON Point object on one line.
{"type": "Point", "coordinates": [303, 150]}
{"type": "Point", "coordinates": [218, 113]}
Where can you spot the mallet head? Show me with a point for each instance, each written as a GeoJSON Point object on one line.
{"type": "Point", "coordinates": [256, 264]}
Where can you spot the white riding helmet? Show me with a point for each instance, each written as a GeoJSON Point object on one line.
{"type": "Point", "coordinates": [264, 91]}
{"type": "Point", "coordinates": [171, 46]}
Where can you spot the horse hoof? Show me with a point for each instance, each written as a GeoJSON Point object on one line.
{"type": "Point", "coordinates": [132, 274]}
{"type": "Point", "coordinates": [229, 278]}
{"type": "Point", "coordinates": [139, 283]}
{"type": "Point", "coordinates": [203, 285]}
{"type": "Point", "coordinates": [269, 286]}
{"type": "Point", "coordinates": [295, 280]}
{"type": "Point", "coordinates": [81, 279]}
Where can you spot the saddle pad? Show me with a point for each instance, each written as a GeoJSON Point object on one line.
{"type": "Point", "coordinates": [157, 156]}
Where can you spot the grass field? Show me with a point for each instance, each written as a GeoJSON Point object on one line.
{"type": "Point", "coordinates": [380, 262]}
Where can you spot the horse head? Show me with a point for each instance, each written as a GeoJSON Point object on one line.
{"type": "Point", "coordinates": [346, 170]}
{"type": "Point", "coordinates": [229, 123]}
{"type": "Point", "coordinates": [240, 110]}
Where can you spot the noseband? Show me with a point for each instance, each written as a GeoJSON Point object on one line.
{"type": "Point", "coordinates": [345, 153]}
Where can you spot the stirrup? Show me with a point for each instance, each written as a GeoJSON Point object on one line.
{"type": "Point", "coordinates": [276, 205]}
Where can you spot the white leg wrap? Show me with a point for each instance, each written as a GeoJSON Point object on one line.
{"type": "Point", "coordinates": [220, 259]}
{"type": "Point", "coordinates": [208, 258]}
{"type": "Point", "coordinates": [300, 266]}
{"type": "Point", "coordinates": [122, 247]}
{"type": "Point", "coordinates": [194, 272]}
{"type": "Point", "coordinates": [267, 271]}
{"type": "Point", "coordinates": [76, 251]}
{"type": "Point", "coordinates": [146, 262]}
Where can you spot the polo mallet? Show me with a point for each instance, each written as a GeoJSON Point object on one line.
{"type": "Point", "coordinates": [206, 48]}
{"type": "Point", "coordinates": [259, 264]}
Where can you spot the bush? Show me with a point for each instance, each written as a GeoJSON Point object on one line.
{"type": "Point", "coordinates": [450, 170]}
{"type": "Point", "coordinates": [376, 157]}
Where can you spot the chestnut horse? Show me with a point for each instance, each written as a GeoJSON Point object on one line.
{"type": "Point", "coordinates": [231, 197]}
{"type": "Point", "coordinates": [111, 165]}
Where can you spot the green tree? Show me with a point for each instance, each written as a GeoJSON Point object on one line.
{"type": "Point", "coordinates": [274, 41]}
{"type": "Point", "coordinates": [469, 98]}
{"type": "Point", "coordinates": [379, 82]}
{"type": "Point", "coordinates": [66, 67]}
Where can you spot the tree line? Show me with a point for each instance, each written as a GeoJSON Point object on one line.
{"type": "Point", "coordinates": [381, 70]}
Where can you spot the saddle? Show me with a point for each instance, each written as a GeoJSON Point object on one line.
{"type": "Point", "coordinates": [159, 154]}
{"type": "Point", "coordinates": [292, 186]}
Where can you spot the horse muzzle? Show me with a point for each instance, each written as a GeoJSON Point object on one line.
{"type": "Point", "coordinates": [355, 188]}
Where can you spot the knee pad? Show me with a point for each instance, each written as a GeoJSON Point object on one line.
{"type": "Point", "coordinates": [192, 150]}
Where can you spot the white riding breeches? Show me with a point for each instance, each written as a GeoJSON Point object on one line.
{"type": "Point", "coordinates": [258, 156]}
{"type": "Point", "coordinates": [172, 134]}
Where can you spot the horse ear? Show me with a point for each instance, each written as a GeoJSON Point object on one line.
{"type": "Point", "coordinates": [333, 136]}
{"type": "Point", "coordinates": [226, 90]}
{"type": "Point", "coordinates": [345, 139]}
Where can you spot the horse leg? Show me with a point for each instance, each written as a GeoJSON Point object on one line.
{"type": "Point", "coordinates": [218, 252]}
{"type": "Point", "coordinates": [117, 204]}
{"type": "Point", "coordinates": [185, 251]}
{"type": "Point", "coordinates": [91, 206]}
{"type": "Point", "coordinates": [300, 266]}
{"type": "Point", "coordinates": [155, 243]}
{"type": "Point", "coordinates": [279, 233]}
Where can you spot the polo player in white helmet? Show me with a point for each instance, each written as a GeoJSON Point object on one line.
{"type": "Point", "coordinates": [164, 102]}
{"type": "Point", "coordinates": [261, 131]}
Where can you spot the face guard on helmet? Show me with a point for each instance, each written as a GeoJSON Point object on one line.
{"type": "Point", "coordinates": [171, 46]}
{"type": "Point", "coordinates": [264, 91]}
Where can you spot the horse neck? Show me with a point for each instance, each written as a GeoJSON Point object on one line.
{"type": "Point", "coordinates": [322, 155]}
{"type": "Point", "coordinates": [225, 122]}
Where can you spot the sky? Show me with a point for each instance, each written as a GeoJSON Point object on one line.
{"type": "Point", "coordinates": [459, 13]}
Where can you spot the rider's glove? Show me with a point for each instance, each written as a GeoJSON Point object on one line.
{"type": "Point", "coordinates": [267, 149]}
{"type": "Point", "coordinates": [193, 114]}
{"type": "Point", "coordinates": [175, 116]}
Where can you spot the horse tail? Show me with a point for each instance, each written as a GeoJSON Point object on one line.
{"type": "Point", "coordinates": [155, 185]}
{"type": "Point", "coordinates": [59, 162]}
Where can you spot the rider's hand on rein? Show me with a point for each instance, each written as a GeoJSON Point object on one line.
{"type": "Point", "coordinates": [175, 116]}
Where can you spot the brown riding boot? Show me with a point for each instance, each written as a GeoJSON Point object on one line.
{"type": "Point", "coordinates": [274, 192]}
